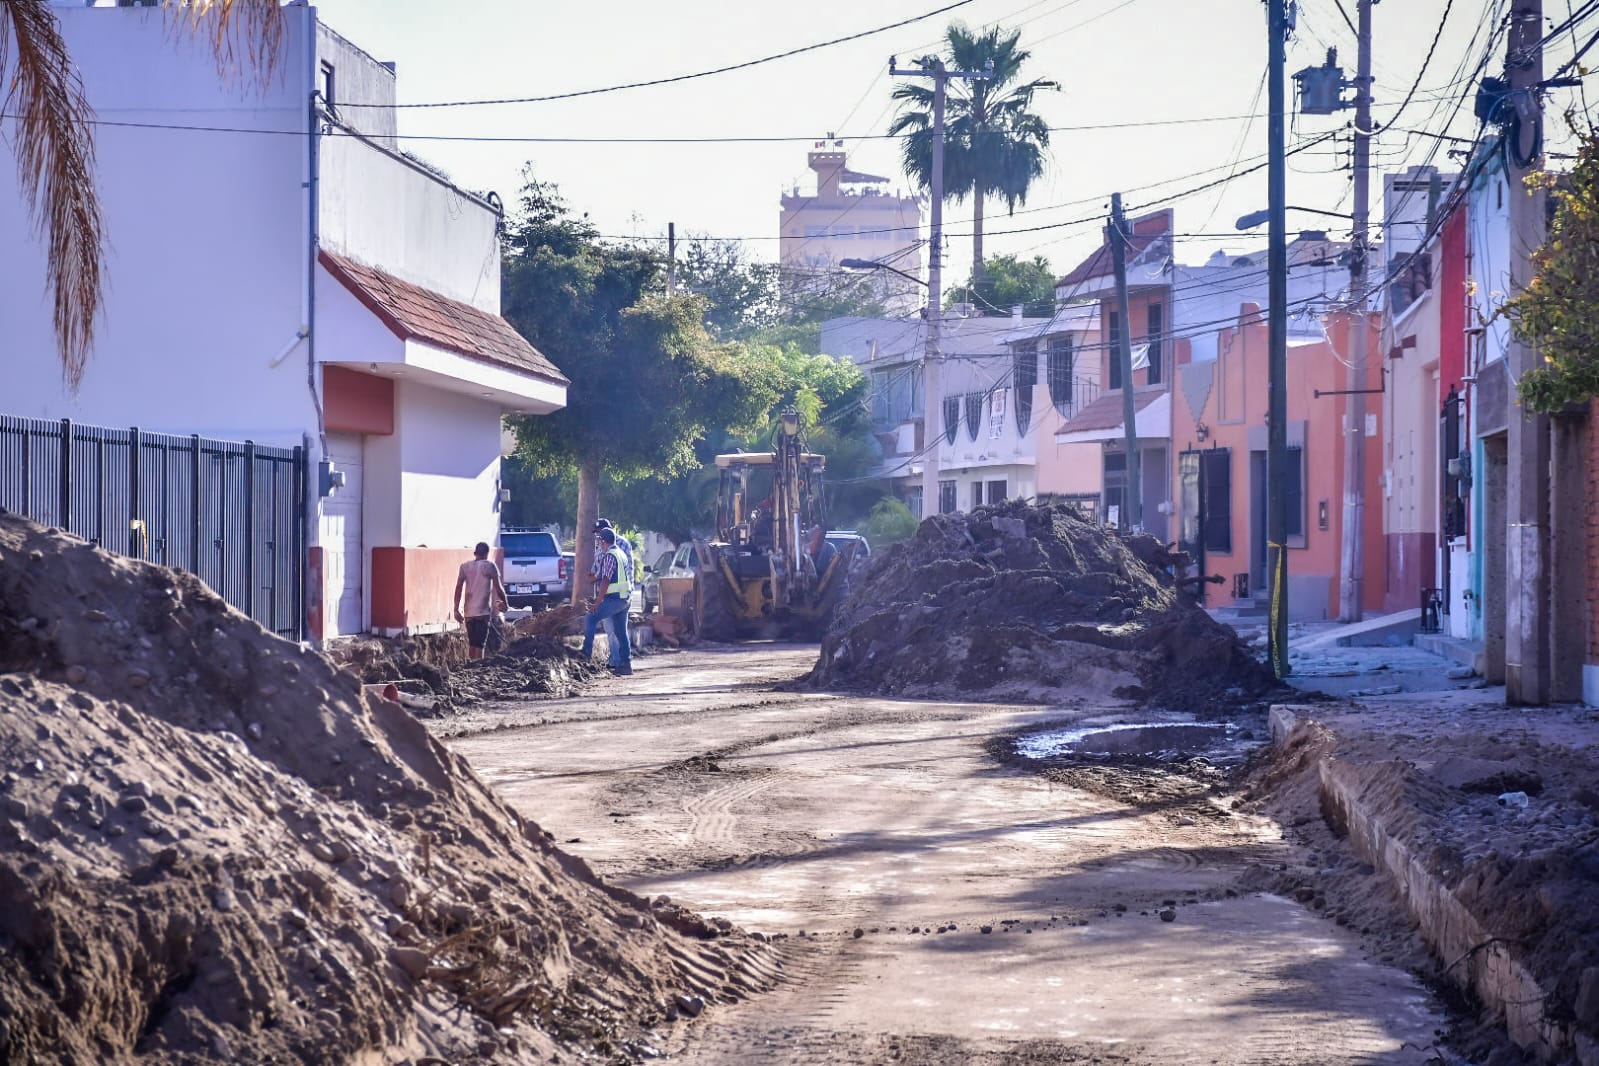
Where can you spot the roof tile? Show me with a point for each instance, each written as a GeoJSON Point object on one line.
{"type": "Point", "coordinates": [414, 312]}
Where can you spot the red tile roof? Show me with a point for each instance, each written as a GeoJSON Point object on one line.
{"type": "Point", "coordinates": [1106, 411]}
{"type": "Point", "coordinates": [414, 312]}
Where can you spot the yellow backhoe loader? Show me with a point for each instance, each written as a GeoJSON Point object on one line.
{"type": "Point", "coordinates": [768, 571]}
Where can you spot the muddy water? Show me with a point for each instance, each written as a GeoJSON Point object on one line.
{"type": "Point", "coordinates": [952, 910]}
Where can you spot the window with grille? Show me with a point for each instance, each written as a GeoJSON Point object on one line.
{"type": "Point", "coordinates": [952, 418]}
{"type": "Point", "coordinates": [1294, 489]}
{"type": "Point", "coordinates": [1216, 490]}
{"type": "Point", "coordinates": [974, 414]}
{"type": "Point", "coordinates": [946, 497]}
{"type": "Point", "coordinates": [1059, 368]}
{"type": "Point", "coordinates": [1157, 326]}
{"type": "Point", "coordinates": [1024, 375]}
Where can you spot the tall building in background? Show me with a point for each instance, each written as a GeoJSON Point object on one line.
{"type": "Point", "coordinates": [851, 215]}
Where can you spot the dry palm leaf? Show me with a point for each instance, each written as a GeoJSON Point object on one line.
{"type": "Point", "coordinates": [43, 98]}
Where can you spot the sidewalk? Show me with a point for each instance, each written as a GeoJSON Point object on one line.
{"type": "Point", "coordinates": [1480, 820]}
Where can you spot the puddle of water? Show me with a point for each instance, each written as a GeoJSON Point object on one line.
{"type": "Point", "coordinates": [1159, 740]}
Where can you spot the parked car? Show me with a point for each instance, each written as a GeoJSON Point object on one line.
{"type": "Point", "coordinates": [535, 571]}
{"type": "Point", "coordinates": [840, 538]}
{"type": "Point", "coordinates": [683, 561]}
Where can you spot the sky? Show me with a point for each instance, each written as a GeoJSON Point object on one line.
{"type": "Point", "coordinates": [1193, 68]}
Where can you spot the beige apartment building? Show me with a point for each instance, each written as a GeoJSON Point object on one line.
{"type": "Point", "coordinates": [851, 215]}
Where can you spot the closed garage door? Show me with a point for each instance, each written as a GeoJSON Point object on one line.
{"type": "Point", "coordinates": [341, 536]}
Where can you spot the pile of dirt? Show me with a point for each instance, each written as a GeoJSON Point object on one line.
{"type": "Point", "coordinates": [435, 679]}
{"type": "Point", "coordinates": [214, 848]}
{"type": "Point", "coordinates": [1037, 603]}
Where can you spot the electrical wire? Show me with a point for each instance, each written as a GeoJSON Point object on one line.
{"type": "Point", "coordinates": [678, 77]}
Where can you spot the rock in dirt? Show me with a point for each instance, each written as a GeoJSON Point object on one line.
{"type": "Point", "coordinates": [262, 918]}
{"type": "Point", "coordinates": [1029, 602]}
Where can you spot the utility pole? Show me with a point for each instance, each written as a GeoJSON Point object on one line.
{"type": "Point", "coordinates": [671, 258]}
{"type": "Point", "coordinates": [1116, 236]}
{"type": "Point", "coordinates": [1352, 556]}
{"type": "Point", "coordinates": [1277, 340]}
{"type": "Point", "coordinates": [932, 394]}
{"type": "Point", "coordinates": [1527, 556]}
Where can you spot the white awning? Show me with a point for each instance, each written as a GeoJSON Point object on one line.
{"type": "Point", "coordinates": [1153, 422]}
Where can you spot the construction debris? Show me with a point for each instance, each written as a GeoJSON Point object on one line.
{"type": "Point", "coordinates": [433, 678]}
{"type": "Point", "coordinates": [1033, 603]}
{"type": "Point", "coordinates": [215, 847]}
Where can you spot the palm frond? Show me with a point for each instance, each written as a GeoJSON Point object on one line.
{"type": "Point", "coordinates": [55, 168]}
{"type": "Point", "coordinates": [55, 142]}
{"type": "Point", "coordinates": [244, 34]}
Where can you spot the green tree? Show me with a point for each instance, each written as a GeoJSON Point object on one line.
{"type": "Point", "coordinates": [993, 143]}
{"type": "Point", "coordinates": [740, 294]}
{"type": "Point", "coordinates": [1559, 310]}
{"type": "Point", "coordinates": [749, 300]}
{"type": "Point", "coordinates": [54, 142]}
{"type": "Point", "coordinates": [1008, 281]}
{"type": "Point", "coordinates": [647, 380]}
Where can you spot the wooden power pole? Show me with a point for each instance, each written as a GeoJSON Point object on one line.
{"type": "Point", "coordinates": [1352, 554]}
{"type": "Point", "coordinates": [1132, 516]}
{"type": "Point", "coordinates": [1527, 593]}
{"type": "Point", "coordinates": [1277, 340]}
{"type": "Point", "coordinates": [932, 361]}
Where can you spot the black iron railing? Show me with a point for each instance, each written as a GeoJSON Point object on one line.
{"type": "Point", "coordinates": [231, 512]}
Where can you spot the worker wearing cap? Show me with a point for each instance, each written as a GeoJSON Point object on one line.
{"type": "Point", "coordinates": [621, 542]}
{"type": "Point", "coordinates": [594, 574]}
{"type": "Point", "coordinates": [613, 593]}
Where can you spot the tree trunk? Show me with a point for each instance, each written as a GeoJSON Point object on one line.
{"type": "Point", "coordinates": [977, 238]}
{"type": "Point", "coordinates": [588, 512]}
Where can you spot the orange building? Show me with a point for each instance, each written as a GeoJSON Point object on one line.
{"type": "Point", "coordinates": [1218, 493]}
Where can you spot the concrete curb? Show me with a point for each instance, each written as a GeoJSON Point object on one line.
{"type": "Point", "coordinates": [1472, 957]}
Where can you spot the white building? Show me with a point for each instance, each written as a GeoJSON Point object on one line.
{"type": "Point", "coordinates": [986, 430]}
{"type": "Point", "coordinates": [263, 283]}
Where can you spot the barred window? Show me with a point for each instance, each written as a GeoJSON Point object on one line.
{"type": "Point", "coordinates": [952, 418]}
{"type": "Point", "coordinates": [1059, 368]}
{"type": "Point", "coordinates": [974, 413]}
{"type": "Point", "coordinates": [1024, 373]}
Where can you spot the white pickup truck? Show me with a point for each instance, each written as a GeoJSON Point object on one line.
{"type": "Point", "coordinates": [535, 572]}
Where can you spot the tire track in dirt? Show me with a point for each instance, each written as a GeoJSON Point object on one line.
{"type": "Point", "coordinates": [883, 815]}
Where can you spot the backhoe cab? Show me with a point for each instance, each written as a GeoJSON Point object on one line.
{"type": "Point", "coordinates": [769, 571]}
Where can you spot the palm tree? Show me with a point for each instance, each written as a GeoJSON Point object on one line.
{"type": "Point", "coordinates": [993, 143]}
{"type": "Point", "coordinates": [52, 131]}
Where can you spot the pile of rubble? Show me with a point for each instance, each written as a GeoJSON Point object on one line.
{"type": "Point", "coordinates": [433, 677]}
{"type": "Point", "coordinates": [1033, 603]}
{"type": "Point", "coordinates": [215, 848]}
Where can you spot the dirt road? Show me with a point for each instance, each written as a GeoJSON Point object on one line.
{"type": "Point", "coordinates": [953, 910]}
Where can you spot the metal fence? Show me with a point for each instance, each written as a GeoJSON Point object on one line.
{"type": "Point", "coordinates": [231, 512]}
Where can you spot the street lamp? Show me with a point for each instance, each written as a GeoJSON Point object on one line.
{"type": "Point", "coordinates": [1256, 218]}
{"type": "Point", "coordinates": [932, 395]}
{"type": "Point", "coordinates": [873, 264]}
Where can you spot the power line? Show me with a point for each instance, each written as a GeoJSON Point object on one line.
{"type": "Point", "coordinates": [1425, 63]}
{"type": "Point", "coordinates": [679, 77]}
{"type": "Point", "coordinates": [736, 139]}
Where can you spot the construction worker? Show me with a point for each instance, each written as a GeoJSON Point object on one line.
{"type": "Point", "coordinates": [613, 593]}
{"type": "Point", "coordinates": [479, 578]}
